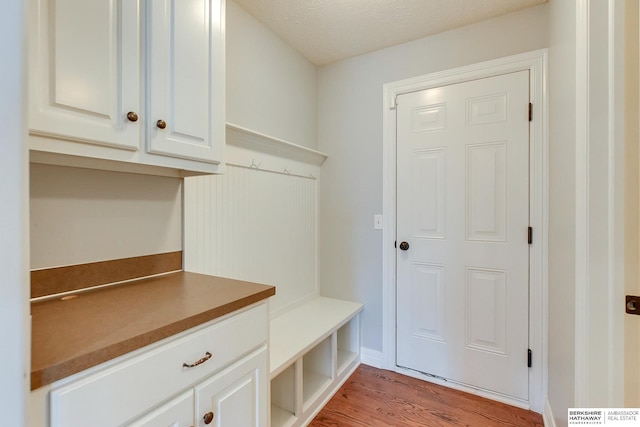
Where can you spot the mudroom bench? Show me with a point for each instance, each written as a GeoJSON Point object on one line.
{"type": "Point", "coordinates": [314, 348]}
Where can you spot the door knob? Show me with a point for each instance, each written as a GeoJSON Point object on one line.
{"type": "Point", "coordinates": [161, 124]}
{"type": "Point", "coordinates": [132, 116]}
{"type": "Point", "coordinates": [208, 417]}
{"type": "Point", "coordinates": [404, 246]}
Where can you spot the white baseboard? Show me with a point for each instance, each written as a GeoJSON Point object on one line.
{"type": "Point", "coordinates": [547, 415]}
{"type": "Point", "coordinates": [371, 357]}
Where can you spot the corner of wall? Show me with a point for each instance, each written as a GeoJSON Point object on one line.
{"type": "Point", "coordinates": [547, 414]}
{"type": "Point", "coordinates": [371, 357]}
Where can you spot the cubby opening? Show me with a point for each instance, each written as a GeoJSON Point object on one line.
{"type": "Point", "coordinates": [283, 398]}
{"type": "Point", "coordinates": [347, 345]}
{"type": "Point", "coordinates": [317, 367]}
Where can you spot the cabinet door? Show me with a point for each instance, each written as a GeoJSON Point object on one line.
{"type": "Point", "coordinates": [85, 74]}
{"type": "Point", "coordinates": [236, 396]}
{"type": "Point", "coordinates": [175, 413]}
{"type": "Point", "coordinates": [186, 79]}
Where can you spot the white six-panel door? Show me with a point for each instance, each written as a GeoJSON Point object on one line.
{"type": "Point", "coordinates": [463, 210]}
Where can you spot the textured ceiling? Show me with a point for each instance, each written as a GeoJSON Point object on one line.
{"type": "Point", "coordinates": [326, 31]}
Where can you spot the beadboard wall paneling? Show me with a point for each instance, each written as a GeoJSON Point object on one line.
{"type": "Point", "coordinates": [254, 225]}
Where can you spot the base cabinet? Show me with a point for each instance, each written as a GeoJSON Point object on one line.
{"type": "Point", "coordinates": [212, 375]}
{"type": "Point", "coordinates": [235, 397]}
{"type": "Point", "coordinates": [176, 413]}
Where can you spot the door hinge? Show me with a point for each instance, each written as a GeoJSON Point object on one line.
{"type": "Point", "coordinates": [530, 235]}
{"type": "Point", "coordinates": [530, 111]}
{"type": "Point", "coordinates": [529, 358]}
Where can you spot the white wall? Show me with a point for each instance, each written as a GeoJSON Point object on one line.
{"type": "Point", "coordinates": [562, 136]}
{"type": "Point", "coordinates": [271, 88]}
{"type": "Point", "coordinates": [350, 132]}
{"type": "Point", "coordinates": [82, 215]}
{"type": "Point", "coordinates": [14, 253]}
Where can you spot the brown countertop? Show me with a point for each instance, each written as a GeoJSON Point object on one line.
{"type": "Point", "coordinates": [99, 325]}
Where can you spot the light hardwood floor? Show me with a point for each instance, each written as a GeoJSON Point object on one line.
{"type": "Point", "coordinates": [374, 397]}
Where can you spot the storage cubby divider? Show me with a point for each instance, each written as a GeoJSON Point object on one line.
{"type": "Point", "coordinates": [314, 348]}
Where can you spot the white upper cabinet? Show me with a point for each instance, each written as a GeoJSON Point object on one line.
{"type": "Point", "coordinates": [85, 77]}
{"type": "Point", "coordinates": [185, 79]}
{"type": "Point", "coordinates": [134, 81]}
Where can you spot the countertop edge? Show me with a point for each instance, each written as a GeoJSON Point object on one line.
{"type": "Point", "coordinates": [66, 368]}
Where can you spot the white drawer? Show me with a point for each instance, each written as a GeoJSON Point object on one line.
{"type": "Point", "coordinates": [119, 393]}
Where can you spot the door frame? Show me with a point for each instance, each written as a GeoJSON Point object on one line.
{"type": "Point", "coordinates": [536, 63]}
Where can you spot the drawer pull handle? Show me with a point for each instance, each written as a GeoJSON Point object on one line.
{"type": "Point", "coordinates": [206, 357]}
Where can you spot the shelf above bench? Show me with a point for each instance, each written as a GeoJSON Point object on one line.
{"type": "Point", "coordinates": [247, 148]}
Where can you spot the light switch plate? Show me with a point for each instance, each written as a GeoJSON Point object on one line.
{"type": "Point", "coordinates": [377, 222]}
